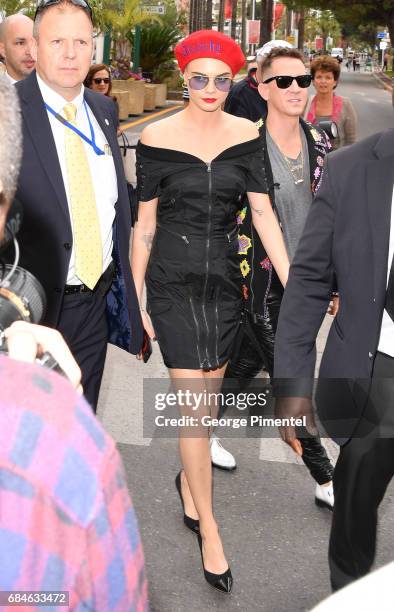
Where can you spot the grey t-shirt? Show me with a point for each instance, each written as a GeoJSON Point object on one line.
{"type": "Point", "coordinates": [292, 200]}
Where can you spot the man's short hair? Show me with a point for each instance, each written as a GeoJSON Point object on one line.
{"type": "Point", "coordinates": [10, 139]}
{"type": "Point", "coordinates": [265, 63]}
{"type": "Point", "coordinates": [325, 63]}
{"type": "Point", "coordinates": [62, 5]}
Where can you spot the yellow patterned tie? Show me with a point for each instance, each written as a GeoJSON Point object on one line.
{"type": "Point", "coordinates": [85, 221]}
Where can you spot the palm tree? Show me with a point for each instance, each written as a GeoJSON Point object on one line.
{"type": "Point", "coordinates": [221, 16]}
{"type": "Point", "coordinates": [122, 20]}
{"type": "Point", "coordinates": [208, 15]}
{"type": "Point", "coordinates": [197, 15]}
{"type": "Point", "coordinates": [267, 8]}
{"type": "Point", "coordinates": [234, 9]}
{"type": "Point", "coordinates": [244, 10]}
{"type": "Point", "coordinates": [157, 43]}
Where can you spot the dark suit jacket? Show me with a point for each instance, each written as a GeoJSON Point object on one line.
{"type": "Point", "coordinates": [346, 234]}
{"type": "Point", "coordinates": [46, 238]}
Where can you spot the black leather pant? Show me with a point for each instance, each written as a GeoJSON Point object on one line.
{"type": "Point", "coordinates": [253, 350]}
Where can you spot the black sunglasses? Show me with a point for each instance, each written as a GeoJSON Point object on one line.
{"type": "Point", "coordinates": [103, 80]}
{"type": "Point", "coordinates": [82, 3]}
{"type": "Point", "coordinates": [283, 82]}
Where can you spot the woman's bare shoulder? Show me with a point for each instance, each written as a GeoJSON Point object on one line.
{"type": "Point", "coordinates": [158, 133]}
{"type": "Point", "coordinates": [245, 129]}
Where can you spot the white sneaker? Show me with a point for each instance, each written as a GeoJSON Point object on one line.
{"type": "Point", "coordinates": [220, 457]}
{"type": "Point", "coordinates": [324, 496]}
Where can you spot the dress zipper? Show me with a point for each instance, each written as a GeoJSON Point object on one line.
{"type": "Point", "coordinates": [207, 260]}
{"type": "Point", "coordinates": [184, 238]}
{"type": "Point", "coordinates": [217, 330]}
{"type": "Point", "coordinates": [197, 330]}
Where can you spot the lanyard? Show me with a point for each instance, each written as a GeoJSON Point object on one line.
{"type": "Point", "coordinates": [91, 141]}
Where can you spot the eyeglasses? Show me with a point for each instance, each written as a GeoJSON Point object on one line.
{"type": "Point", "coordinates": [82, 3]}
{"type": "Point", "coordinates": [200, 82]}
{"type": "Point", "coordinates": [284, 82]}
{"type": "Point", "coordinates": [105, 80]}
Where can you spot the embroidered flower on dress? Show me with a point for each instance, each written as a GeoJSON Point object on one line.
{"type": "Point", "coordinates": [316, 173]}
{"type": "Point", "coordinates": [241, 214]}
{"type": "Point", "coordinates": [320, 160]}
{"type": "Point", "coordinates": [245, 292]}
{"type": "Point", "coordinates": [266, 264]}
{"type": "Point", "coordinates": [245, 268]}
{"type": "Point", "coordinates": [244, 244]}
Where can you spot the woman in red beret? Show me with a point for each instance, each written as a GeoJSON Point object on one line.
{"type": "Point", "coordinates": [194, 168]}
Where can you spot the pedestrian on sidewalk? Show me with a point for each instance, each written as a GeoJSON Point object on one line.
{"type": "Point", "coordinates": [16, 37]}
{"type": "Point", "coordinates": [67, 522]}
{"type": "Point", "coordinates": [293, 163]}
{"type": "Point", "coordinates": [76, 229]}
{"type": "Point", "coordinates": [192, 169]}
{"type": "Point", "coordinates": [244, 99]}
{"type": "Point", "coordinates": [328, 106]}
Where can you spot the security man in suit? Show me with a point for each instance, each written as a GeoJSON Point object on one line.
{"type": "Point", "coordinates": [349, 233]}
{"type": "Point", "coordinates": [76, 229]}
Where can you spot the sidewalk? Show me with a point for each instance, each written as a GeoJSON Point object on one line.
{"type": "Point", "coordinates": [386, 81]}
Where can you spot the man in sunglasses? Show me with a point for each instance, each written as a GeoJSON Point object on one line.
{"type": "Point", "coordinates": [16, 35]}
{"type": "Point", "coordinates": [294, 158]}
{"type": "Point", "coordinates": [76, 229]}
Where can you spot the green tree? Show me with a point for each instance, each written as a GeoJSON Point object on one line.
{"type": "Point", "coordinates": [321, 23]}
{"type": "Point", "coordinates": [157, 43]}
{"type": "Point", "coordinates": [11, 7]}
{"type": "Point", "coordinates": [374, 13]}
{"type": "Point", "coordinates": [122, 18]}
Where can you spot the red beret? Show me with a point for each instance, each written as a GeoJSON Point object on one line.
{"type": "Point", "coordinates": [209, 43]}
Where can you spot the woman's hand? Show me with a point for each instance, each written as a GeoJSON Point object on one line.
{"type": "Point", "coordinates": [147, 323]}
{"type": "Point", "coordinates": [148, 327]}
{"type": "Point", "coordinates": [268, 229]}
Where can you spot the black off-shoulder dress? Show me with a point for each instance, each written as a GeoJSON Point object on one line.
{"type": "Point", "coordinates": [193, 277]}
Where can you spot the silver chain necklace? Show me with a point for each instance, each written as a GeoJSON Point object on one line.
{"type": "Point", "coordinates": [295, 168]}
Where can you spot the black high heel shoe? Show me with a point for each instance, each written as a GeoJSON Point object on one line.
{"type": "Point", "coordinates": [191, 523]}
{"type": "Point", "coordinates": [221, 582]}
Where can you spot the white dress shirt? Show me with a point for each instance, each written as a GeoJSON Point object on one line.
{"type": "Point", "coordinates": [102, 169]}
{"type": "Point", "coordinates": [386, 340]}
{"type": "Point", "coordinates": [10, 78]}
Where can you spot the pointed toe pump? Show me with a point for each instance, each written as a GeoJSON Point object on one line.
{"type": "Point", "coordinates": [191, 523]}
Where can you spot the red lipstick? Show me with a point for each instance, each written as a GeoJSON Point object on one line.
{"type": "Point", "coordinates": [209, 100]}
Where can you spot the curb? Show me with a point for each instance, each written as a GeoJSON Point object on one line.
{"type": "Point", "coordinates": [385, 85]}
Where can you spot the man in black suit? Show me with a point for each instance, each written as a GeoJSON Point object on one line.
{"type": "Point", "coordinates": [349, 233]}
{"type": "Point", "coordinates": [76, 229]}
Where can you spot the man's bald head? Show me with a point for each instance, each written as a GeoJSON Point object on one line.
{"type": "Point", "coordinates": [16, 35]}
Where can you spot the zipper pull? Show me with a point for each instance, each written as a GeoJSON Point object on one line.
{"type": "Point", "coordinates": [185, 239]}
{"type": "Point", "coordinates": [209, 167]}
